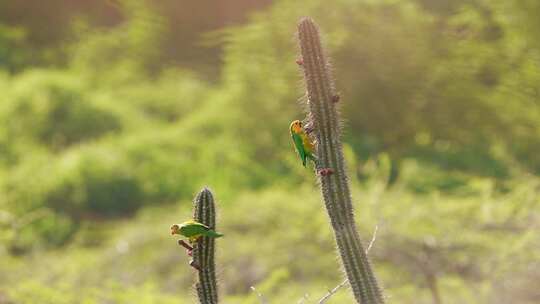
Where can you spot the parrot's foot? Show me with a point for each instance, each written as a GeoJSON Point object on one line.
{"type": "Point", "coordinates": [326, 171]}
{"type": "Point", "coordinates": [308, 125]}
{"type": "Point", "coordinates": [193, 240]}
{"type": "Point", "coordinates": [335, 98]}
{"type": "Point", "coordinates": [299, 61]}
{"type": "Point", "coordinates": [194, 265]}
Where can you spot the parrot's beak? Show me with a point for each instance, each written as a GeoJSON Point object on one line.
{"type": "Point", "coordinates": [174, 229]}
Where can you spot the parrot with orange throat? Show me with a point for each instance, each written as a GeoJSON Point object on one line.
{"type": "Point", "coordinates": [193, 230]}
{"type": "Point", "coordinates": [303, 144]}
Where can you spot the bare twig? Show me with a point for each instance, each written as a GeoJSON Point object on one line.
{"type": "Point", "coordinates": [262, 299]}
{"type": "Point", "coordinates": [335, 289]}
{"type": "Point", "coordinates": [372, 239]}
{"type": "Point", "coordinates": [185, 245]}
{"type": "Point", "coordinates": [303, 299]}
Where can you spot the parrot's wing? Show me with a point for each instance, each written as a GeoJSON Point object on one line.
{"type": "Point", "coordinates": [202, 229]}
{"type": "Point", "coordinates": [298, 143]}
{"type": "Point", "coordinates": [203, 226]}
{"type": "Point", "coordinates": [193, 223]}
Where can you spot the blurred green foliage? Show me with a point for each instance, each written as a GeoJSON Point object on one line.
{"type": "Point", "coordinates": [477, 248]}
{"type": "Point", "coordinates": [111, 118]}
{"type": "Point", "coordinates": [50, 108]}
{"type": "Point", "coordinates": [11, 56]}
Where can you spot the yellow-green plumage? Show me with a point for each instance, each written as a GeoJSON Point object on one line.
{"type": "Point", "coordinates": [193, 230]}
{"type": "Point", "coordinates": [302, 143]}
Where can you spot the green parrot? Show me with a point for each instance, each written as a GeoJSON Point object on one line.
{"type": "Point", "coordinates": [302, 143]}
{"type": "Point", "coordinates": [193, 230]}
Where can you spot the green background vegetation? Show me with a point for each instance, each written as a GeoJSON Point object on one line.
{"type": "Point", "coordinates": [115, 113]}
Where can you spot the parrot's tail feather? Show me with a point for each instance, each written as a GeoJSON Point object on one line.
{"type": "Point", "coordinates": [213, 234]}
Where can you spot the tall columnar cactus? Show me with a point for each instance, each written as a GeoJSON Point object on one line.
{"type": "Point", "coordinates": [204, 248]}
{"type": "Point", "coordinates": [322, 100]}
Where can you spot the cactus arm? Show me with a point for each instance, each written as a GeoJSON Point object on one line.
{"type": "Point", "coordinates": [333, 178]}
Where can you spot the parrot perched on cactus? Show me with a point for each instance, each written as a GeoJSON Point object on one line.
{"type": "Point", "coordinates": [302, 142]}
{"type": "Point", "coordinates": [193, 230]}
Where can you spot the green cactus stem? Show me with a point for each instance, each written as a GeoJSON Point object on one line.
{"type": "Point", "coordinates": [322, 101]}
{"type": "Point", "coordinates": [204, 249]}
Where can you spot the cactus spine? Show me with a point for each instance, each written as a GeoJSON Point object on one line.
{"type": "Point", "coordinates": [204, 248]}
{"type": "Point", "coordinates": [322, 100]}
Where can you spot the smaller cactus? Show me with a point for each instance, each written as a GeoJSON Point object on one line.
{"type": "Point", "coordinates": [204, 249]}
